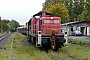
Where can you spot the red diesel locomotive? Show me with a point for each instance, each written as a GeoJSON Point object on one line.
{"type": "Point", "coordinates": [44, 30]}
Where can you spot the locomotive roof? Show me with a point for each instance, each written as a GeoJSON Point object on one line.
{"type": "Point", "coordinates": [40, 14]}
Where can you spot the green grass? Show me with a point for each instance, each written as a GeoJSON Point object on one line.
{"type": "Point", "coordinates": [22, 52]}
{"type": "Point", "coordinates": [26, 52]}
{"type": "Point", "coordinates": [78, 42]}
{"type": "Point", "coordinates": [5, 53]}
{"type": "Point", "coordinates": [31, 52]}
{"type": "Point", "coordinates": [81, 52]}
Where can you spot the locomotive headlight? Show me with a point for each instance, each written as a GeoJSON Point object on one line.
{"type": "Point", "coordinates": [65, 35]}
{"type": "Point", "coordinates": [51, 17]}
{"type": "Point", "coordinates": [39, 35]}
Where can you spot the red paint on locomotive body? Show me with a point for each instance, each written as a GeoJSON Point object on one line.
{"type": "Point", "coordinates": [33, 25]}
{"type": "Point", "coordinates": [49, 23]}
{"type": "Point", "coordinates": [45, 24]}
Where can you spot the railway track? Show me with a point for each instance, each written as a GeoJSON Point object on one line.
{"type": "Point", "coordinates": [4, 36]}
{"type": "Point", "coordinates": [3, 40]}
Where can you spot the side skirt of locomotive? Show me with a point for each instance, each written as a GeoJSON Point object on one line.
{"type": "Point", "coordinates": [47, 41]}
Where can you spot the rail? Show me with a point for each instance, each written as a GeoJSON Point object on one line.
{"type": "Point", "coordinates": [4, 36]}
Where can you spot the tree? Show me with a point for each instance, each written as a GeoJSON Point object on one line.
{"type": "Point", "coordinates": [13, 25]}
{"type": "Point", "coordinates": [60, 11]}
{"type": "Point", "coordinates": [48, 3]}
{"type": "Point", "coordinates": [75, 8]}
{"type": "Point", "coordinates": [85, 14]}
{"type": "Point", "coordinates": [4, 27]}
{"type": "Point", "coordinates": [56, 8]}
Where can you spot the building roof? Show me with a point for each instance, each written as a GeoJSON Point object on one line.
{"type": "Point", "coordinates": [69, 23]}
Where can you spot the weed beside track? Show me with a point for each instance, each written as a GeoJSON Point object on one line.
{"type": "Point", "coordinates": [30, 52]}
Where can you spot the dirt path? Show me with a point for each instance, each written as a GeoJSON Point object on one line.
{"type": "Point", "coordinates": [11, 48]}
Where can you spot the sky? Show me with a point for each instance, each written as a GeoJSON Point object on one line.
{"type": "Point", "coordinates": [19, 10]}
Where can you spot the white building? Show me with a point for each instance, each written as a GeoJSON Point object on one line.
{"type": "Point", "coordinates": [83, 26]}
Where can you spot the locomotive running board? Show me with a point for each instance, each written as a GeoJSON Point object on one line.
{"type": "Point", "coordinates": [56, 35]}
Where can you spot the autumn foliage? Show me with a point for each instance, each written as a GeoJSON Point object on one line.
{"type": "Point", "coordinates": [60, 11]}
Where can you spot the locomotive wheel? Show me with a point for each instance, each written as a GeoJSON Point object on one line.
{"type": "Point", "coordinates": [29, 39]}
{"type": "Point", "coordinates": [57, 46]}
{"type": "Point", "coordinates": [45, 45]}
{"type": "Point", "coordinates": [32, 39]}
{"type": "Point", "coordinates": [56, 49]}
